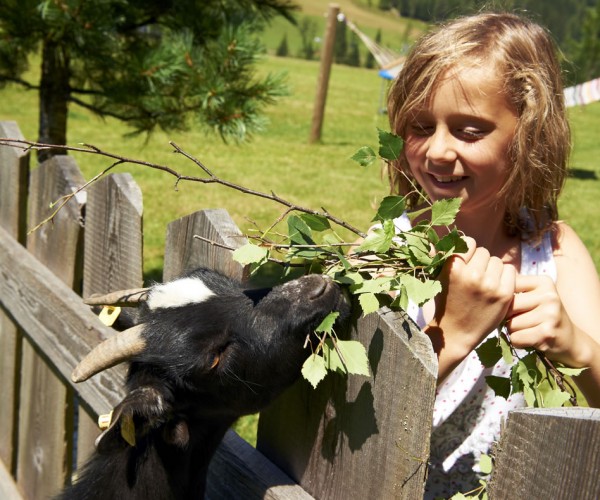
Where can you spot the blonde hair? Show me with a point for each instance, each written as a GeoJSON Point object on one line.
{"type": "Point", "coordinates": [525, 58]}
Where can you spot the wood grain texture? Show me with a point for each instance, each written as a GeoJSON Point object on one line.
{"type": "Point", "coordinates": [14, 174]}
{"type": "Point", "coordinates": [240, 471]}
{"type": "Point", "coordinates": [183, 252]}
{"type": "Point", "coordinates": [548, 453]}
{"type": "Point", "coordinates": [358, 437]}
{"type": "Point", "coordinates": [112, 260]}
{"type": "Point", "coordinates": [46, 404]}
{"type": "Point", "coordinates": [113, 236]}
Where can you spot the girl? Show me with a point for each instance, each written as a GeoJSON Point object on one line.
{"type": "Point", "coordinates": [479, 104]}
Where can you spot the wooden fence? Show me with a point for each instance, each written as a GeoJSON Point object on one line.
{"type": "Point", "coordinates": [353, 438]}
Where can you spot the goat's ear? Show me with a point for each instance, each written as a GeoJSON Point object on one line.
{"type": "Point", "coordinates": [140, 411]}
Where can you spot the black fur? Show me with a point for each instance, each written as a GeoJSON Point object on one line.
{"type": "Point", "coordinates": [180, 406]}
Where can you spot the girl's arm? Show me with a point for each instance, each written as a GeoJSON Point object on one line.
{"type": "Point", "coordinates": [562, 320]}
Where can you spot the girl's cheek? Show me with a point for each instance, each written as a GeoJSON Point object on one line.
{"type": "Point", "coordinates": [414, 148]}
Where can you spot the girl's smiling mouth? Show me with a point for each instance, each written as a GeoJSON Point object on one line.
{"type": "Point", "coordinates": [447, 179]}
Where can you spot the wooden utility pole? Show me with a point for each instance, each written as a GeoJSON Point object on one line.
{"type": "Point", "coordinates": [323, 82]}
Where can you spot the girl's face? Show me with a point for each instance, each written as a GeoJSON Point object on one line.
{"type": "Point", "coordinates": [457, 144]}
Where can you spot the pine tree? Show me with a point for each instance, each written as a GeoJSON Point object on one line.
{"type": "Point", "coordinates": [282, 49]}
{"type": "Point", "coordinates": [149, 63]}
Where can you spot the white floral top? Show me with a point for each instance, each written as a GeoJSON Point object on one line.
{"type": "Point", "coordinates": [467, 416]}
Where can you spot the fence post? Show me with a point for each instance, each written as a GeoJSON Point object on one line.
{"type": "Point", "coordinates": [358, 437]}
{"type": "Point", "coordinates": [324, 72]}
{"type": "Point", "coordinates": [45, 459]}
{"type": "Point", "coordinates": [184, 252]}
{"type": "Point", "coordinates": [548, 453]}
{"type": "Point", "coordinates": [112, 260]}
{"type": "Point", "coordinates": [14, 172]}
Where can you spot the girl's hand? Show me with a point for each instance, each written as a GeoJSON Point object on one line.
{"type": "Point", "coordinates": [477, 290]}
{"type": "Point", "coordinates": [538, 319]}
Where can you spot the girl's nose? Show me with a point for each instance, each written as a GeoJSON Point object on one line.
{"type": "Point", "coordinates": [441, 147]}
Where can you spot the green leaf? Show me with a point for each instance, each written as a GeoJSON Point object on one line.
{"type": "Point", "coordinates": [489, 352]}
{"type": "Point", "coordinates": [298, 231]}
{"type": "Point", "coordinates": [418, 247]}
{"type": "Point", "coordinates": [390, 145]}
{"type": "Point", "coordinates": [316, 222]}
{"type": "Point", "coordinates": [326, 326]}
{"type": "Point", "coordinates": [364, 156]}
{"type": "Point", "coordinates": [507, 354]}
{"type": "Point", "coordinates": [552, 397]}
{"type": "Point", "coordinates": [500, 385]}
{"type": "Point", "coordinates": [390, 208]}
{"type": "Point", "coordinates": [368, 303]}
{"type": "Point", "coordinates": [443, 212]}
{"type": "Point", "coordinates": [485, 464]}
{"type": "Point", "coordinates": [420, 291]}
{"type": "Point", "coordinates": [378, 240]}
{"type": "Point", "coordinates": [333, 362]}
{"type": "Point", "coordinates": [375, 285]}
{"type": "Point", "coordinates": [345, 356]}
{"type": "Point", "coordinates": [251, 254]}
{"type": "Point", "coordinates": [354, 357]}
{"type": "Point", "coordinates": [314, 369]}
{"type": "Point", "coordinates": [570, 372]}
{"type": "Point", "coordinates": [451, 243]}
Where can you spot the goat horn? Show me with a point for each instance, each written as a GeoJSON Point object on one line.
{"type": "Point", "coordinates": [122, 298]}
{"type": "Point", "coordinates": [114, 350]}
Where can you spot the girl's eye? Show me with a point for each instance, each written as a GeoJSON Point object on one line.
{"type": "Point", "coordinates": [470, 133]}
{"type": "Point", "coordinates": [421, 129]}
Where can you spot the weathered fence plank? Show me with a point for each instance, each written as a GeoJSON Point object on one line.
{"type": "Point", "coordinates": [358, 437]}
{"type": "Point", "coordinates": [240, 471]}
{"type": "Point", "coordinates": [14, 165]}
{"type": "Point", "coordinates": [548, 453]}
{"type": "Point", "coordinates": [112, 260]}
{"type": "Point", "coordinates": [53, 317]}
{"type": "Point", "coordinates": [113, 236]}
{"type": "Point", "coordinates": [46, 403]}
{"type": "Point", "coordinates": [184, 252]}
{"type": "Point", "coordinates": [14, 172]}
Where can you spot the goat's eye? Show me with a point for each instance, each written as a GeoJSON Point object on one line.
{"type": "Point", "coordinates": [215, 360]}
{"type": "Point", "coordinates": [219, 356]}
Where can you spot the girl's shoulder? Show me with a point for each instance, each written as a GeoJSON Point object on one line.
{"type": "Point", "coordinates": [566, 242]}
{"type": "Point", "coordinates": [573, 260]}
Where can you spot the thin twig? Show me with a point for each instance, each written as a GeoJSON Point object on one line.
{"type": "Point", "coordinates": [212, 178]}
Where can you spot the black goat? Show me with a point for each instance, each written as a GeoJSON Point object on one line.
{"type": "Point", "coordinates": [207, 352]}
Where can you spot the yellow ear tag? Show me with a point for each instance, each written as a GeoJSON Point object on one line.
{"type": "Point", "coordinates": [128, 429]}
{"type": "Point", "coordinates": [109, 315]}
{"type": "Point", "coordinates": [104, 420]}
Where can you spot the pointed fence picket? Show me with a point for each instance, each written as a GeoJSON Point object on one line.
{"type": "Point", "coordinates": [352, 438]}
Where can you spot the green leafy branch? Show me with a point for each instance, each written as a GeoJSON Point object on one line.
{"type": "Point", "coordinates": [542, 383]}
{"type": "Point", "coordinates": [386, 267]}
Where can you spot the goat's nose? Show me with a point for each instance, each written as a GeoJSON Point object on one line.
{"type": "Point", "coordinates": [319, 286]}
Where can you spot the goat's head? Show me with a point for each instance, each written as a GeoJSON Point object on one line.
{"type": "Point", "coordinates": [207, 348]}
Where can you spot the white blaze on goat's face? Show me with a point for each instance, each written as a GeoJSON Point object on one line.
{"type": "Point", "coordinates": [178, 293]}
